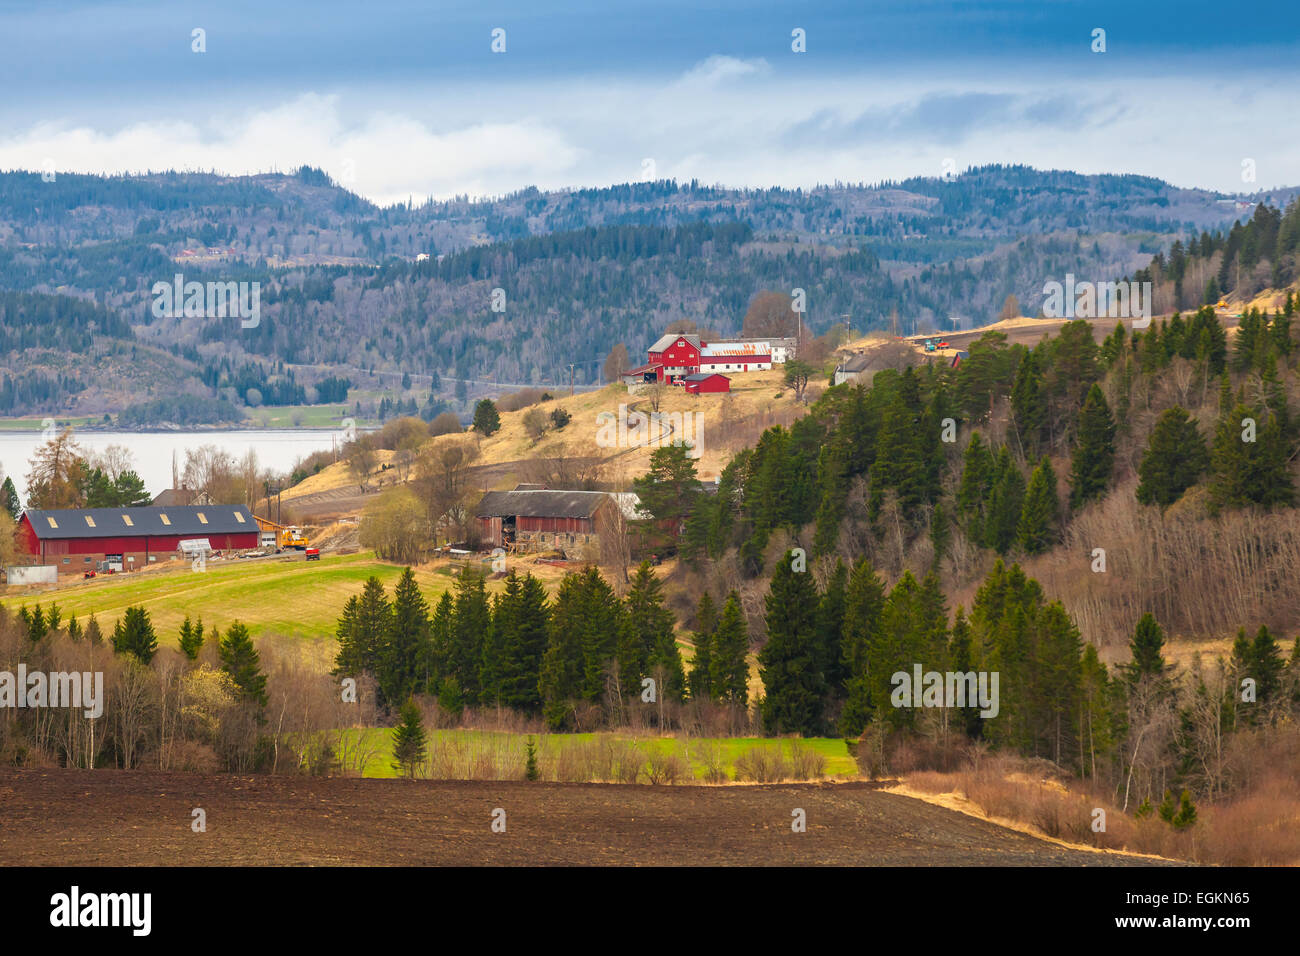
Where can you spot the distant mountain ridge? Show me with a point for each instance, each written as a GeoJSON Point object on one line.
{"type": "Point", "coordinates": [579, 271]}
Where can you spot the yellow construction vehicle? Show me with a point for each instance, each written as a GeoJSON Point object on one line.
{"type": "Point", "coordinates": [293, 538]}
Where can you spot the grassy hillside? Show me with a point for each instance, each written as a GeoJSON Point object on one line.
{"type": "Point", "coordinates": [286, 597]}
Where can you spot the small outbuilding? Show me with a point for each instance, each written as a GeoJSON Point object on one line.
{"type": "Point", "coordinates": [707, 382]}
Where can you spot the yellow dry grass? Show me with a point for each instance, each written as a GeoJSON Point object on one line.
{"type": "Point", "coordinates": [755, 397]}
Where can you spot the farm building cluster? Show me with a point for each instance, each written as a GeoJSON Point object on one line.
{"type": "Point", "coordinates": [698, 366]}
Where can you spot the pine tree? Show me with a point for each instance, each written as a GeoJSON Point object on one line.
{"type": "Point", "coordinates": [74, 630]}
{"type": "Point", "coordinates": [409, 741]}
{"type": "Point", "coordinates": [792, 682]}
{"type": "Point", "coordinates": [706, 624]}
{"type": "Point", "coordinates": [670, 488]}
{"type": "Point", "coordinates": [1175, 459]}
{"type": "Point", "coordinates": [134, 635]}
{"type": "Point", "coordinates": [486, 418]}
{"type": "Point", "coordinates": [1037, 530]}
{"type": "Point", "coordinates": [93, 633]}
{"type": "Point", "coordinates": [239, 659]}
{"type": "Point", "coordinates": [1094, 455]}
{"type": "Point", "coordinates": [729, 664]}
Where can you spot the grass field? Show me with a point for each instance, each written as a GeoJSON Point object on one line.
{"type": "Point", "coordinates": [839, 763]}
{"type": "Point", "coordinates": [299, 416]}
{"type": "Point", "coordinates": [284, 596]}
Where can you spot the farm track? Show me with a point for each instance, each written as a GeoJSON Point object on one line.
{"type": "Point", "coordinates": [132, 818]}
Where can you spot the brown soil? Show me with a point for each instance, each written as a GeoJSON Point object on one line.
{"type": "Point", "coordinates": [122, 818]}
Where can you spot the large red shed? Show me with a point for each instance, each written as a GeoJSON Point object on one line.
{"type": "Point", "coordinates": [77, 538]}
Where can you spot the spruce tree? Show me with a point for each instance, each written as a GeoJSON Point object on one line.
{"type": "Point", "coordinates": [191, 638]}
{"type": "Point", "coordinates": [830, 628]}
{"type": "Point", "coordinates": [1006, 500]}
{"type": "Point", "coordinates": [792, 681]}
{"type": "Point", "coordinates": [409, 741]}
{"type": "Point", "coordinates": [362, 631]}
{"type": "Point", "coordinates": [1146, 647]}
{"type": "Point", "coordinates": [239, 659]}
{"type": "Point", "coordinates": [562, 674]}
{"type": "Point", "coordinates": [469, 630]}
{"type": "Point", "coordinates": [134, 634]}
{"type": "Point", "coordinates": [1175, 459]}
{"type": "Point", "coordinates": [1094, 453]}
{"type": "Point", "coordinates": [977, 476]}
{"type": "Point", "coordinates": [1028, 405]}
{"type": "Point", "coordinates": [521, 622]}
{"type": "Point", "coordinates": [1037, 530]}
{"type": "Point", "coordinates": [406, 645]}
{"type": "Point", "coordinates": [9, 499]}
{"type": "Point", "coordinates": [653, 646]}
{"type": "Point", "coordinates": [706, 624]}
{"type": "Point", "coordinates": [864, 599]}
{"type": "Point", "coordinates": [486, 418]}
{"type": "Point", "coordinates": [93, 634]}
{"type": "Point", "coordinates": [729, 664]}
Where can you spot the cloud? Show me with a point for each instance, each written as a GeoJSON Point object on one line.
{"type": "Point", "coordinates": [718, 69]}
{"type": "Point", "coordinates": [386, 156]}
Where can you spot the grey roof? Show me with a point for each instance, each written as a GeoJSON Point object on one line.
{"type": "Point", "coordinates": [138, 522]}
{"type": "Point", "coordinates": [858, 363]}
{"type": "Point", "coordinates": [541, 504]}
{"type": "Point", "coordinates": [667, 340]}
{"type": "Point", "coordinates": [703, 376]}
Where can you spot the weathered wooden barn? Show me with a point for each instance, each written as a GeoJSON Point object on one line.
{"type": "Point", "coordinates": [568, 521]}
{"type": "Point", "coordinates": [76, 539]}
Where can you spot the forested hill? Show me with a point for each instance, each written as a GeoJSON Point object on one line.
{"type": "Point", "coordinates": [342, 292]}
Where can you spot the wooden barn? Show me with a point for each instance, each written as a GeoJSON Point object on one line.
{"type": "Point", "coordinates": [77, 539]}
{"type": "Point", "coordinates": [568, 521]}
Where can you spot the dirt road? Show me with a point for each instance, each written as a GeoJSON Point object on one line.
{"type": "Point", "coordinates": [119, 818]}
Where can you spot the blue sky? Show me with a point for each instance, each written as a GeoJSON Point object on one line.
{"type": "Point", "coordinates": [405, 99]}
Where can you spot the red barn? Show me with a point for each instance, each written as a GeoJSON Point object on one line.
{"type": "Point", "coordinates": [707, 382]}
{"type": "Point", "coordinates": [76, 539]}
{"type": "Point", "coordinates": [678, 354]}
{"type": "Point", "coordinates": [569, 521]}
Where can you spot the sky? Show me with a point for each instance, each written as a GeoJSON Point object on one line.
{"type": "Point", "coordinates": [404, 100]}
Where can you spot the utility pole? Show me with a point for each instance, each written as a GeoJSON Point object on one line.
{"type": "Point", "coordinates": [570, 378]}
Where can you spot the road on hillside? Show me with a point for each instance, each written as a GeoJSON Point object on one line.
{"type": "Point", "coordinates": [134, 818]}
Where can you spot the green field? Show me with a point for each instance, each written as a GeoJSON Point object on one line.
{"type": "Point", "coordinates": [298, 416]}
{"type": "Point", "coordinates": [36, 424]}
{"type": "Point", "coordinates": [839, 763]}
{"type": "Point", "coordinates": [272, 596]}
